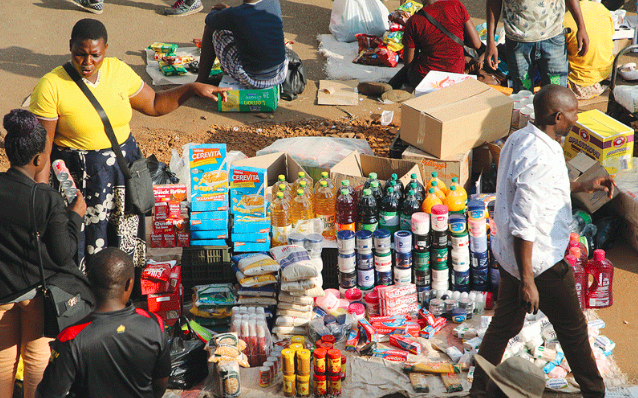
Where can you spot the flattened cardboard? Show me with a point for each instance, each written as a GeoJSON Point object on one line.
{"type": "Point", "coordinates": [583, 168]}
{"type": "Point", "coordinates": [456, 119]}
{"type": "Point", "coordinates": [459, 165]}
{"type": "Point", "coordinates": [337, 92]}
{"type": "Point", "coordinates": [356, 167]}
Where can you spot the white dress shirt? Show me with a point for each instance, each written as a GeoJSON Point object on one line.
{"type": "Point", "coordinates": [532, 200]}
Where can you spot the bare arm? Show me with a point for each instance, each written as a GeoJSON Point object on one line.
{"type": "Point", "coordinates": [528, 294]}
{"type": "Point", "coordinates": [493, 11]}
{"type": "Point", "coordinates": [207, 57]}
{"type": "Point", "coordinates": [583, 39]}
{"type": "Point", "coordinates": [159, 387]}
{"type": "Point", "coordinates": [471, 36]}
{"type": "Point", "coordinates": [160, 103]}
{"type": "Point", "coordinates": [597, 184]}
{"type": "Point", "coordinates": [408, 55]}
{"type": "Point", "coordinates": [50, 126]}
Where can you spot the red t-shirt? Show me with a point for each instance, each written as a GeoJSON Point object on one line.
{"type": "Point", "coordinates": [436, 50]}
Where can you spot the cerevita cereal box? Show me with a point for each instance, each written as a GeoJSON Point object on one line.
{"type": "Point", "coordinates": [208, 171]}
{"type": "Point", "coordinates": [248, 191]}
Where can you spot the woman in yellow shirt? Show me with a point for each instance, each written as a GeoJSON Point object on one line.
{"type": "Point", "coordinates": [79, 139]}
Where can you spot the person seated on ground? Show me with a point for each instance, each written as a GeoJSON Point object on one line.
{"type": "Point", "coordinates": [513, 378]}
{"type": "Point", "coordinates": [586, 72]}
{"type": "Point", "coordinates": [118, 350]}
{"type": "Point", "coordinates": [427, 48]}
{"type": "Point", "coordinates": [248, 40]}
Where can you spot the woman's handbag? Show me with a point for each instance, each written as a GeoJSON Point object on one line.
{"type": "Point", "coordinates": [139, 185]}
{"type": "Point", "coordinates": [61, 309]}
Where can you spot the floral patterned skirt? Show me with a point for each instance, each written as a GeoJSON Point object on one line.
{"type": "Point", "coordinates": [99, 177]}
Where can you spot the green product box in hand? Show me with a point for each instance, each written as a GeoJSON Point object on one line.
{"type": "Point", "coordinates": [241, 99]}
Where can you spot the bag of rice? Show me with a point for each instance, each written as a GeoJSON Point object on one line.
{"type": "Point", "coordinates": [295, 263]}
{"type": "Point", "coordinates": [316, 291]}
{"type": "Point", "coordinates": [288, 298]}
{"type": "Point", "coordinates": [263, 291]}
{"type": "Point", "coordinates": [252, 264]}
{"type": "Point", "coordinates": [295, 307]}
{"type": "Point", "coordinates": [248, 300]}
{"type": "Point", "coordinates": [297, 286]}
{"type": "Point", "coordinates": [291, 321]}
{"type": "Point", "coordinates": [289, 330]}
{"type": "Point", "coordinates": [254, 281]}
{"type": "Point", "coordinates": [298, 314]}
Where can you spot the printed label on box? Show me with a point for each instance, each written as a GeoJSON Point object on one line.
{"type": "Point", "coordinates": [209, 171]}
{"type": "Point", "coordinates": [169, 192]}
{"type": "Point", "coordinates": [248, 190]}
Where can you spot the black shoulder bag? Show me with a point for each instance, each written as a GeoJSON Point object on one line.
{"type": "Point", "coordinates": [61, 309]}
{"type": "Point", "coordinates": [139, 185]}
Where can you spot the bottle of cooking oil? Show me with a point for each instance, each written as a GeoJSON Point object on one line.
{"type": "Point", "coordinates": [286, 190]}
{"type": "Point", "coordinates": [309, 194]}
{"type": "Point", "coordinates": [280, 220]}
{"type": "Point", "coordinates": [302, 177]}
{"type": "Point", "coordinates": [301, 208]}
{"type": "Point", "coordinates": [325, 208]}
{"type": "Point", "coordinates": [331, 184]}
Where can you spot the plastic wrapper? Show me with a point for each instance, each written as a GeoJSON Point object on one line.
{"type": "Point", "coordinates": [252, 264]}
{"type": "Point", "coordinates": [607, 233]}
{"type": "Point", "coordinates": [213, 313]}
{"type": "Point", "coordinates": [317, 328]}
{"type": "Point", "coordinates": [229, 381]}
{"type": "Point", "coordinates": [212, 295]}
{"type": "Point", "coordinates": [188, 358]}
{"type": "Point", "coordinates": [410, 7]}
{"type": "Point", "coordinates": [419, 382]}
{"type": "Point", "coordinates": [172, 70]}
{"type": "Point", "coordinates": [381, 55]}
{"type": "Point", "coordinates": [395, 27]}
{"type": "Point", "coordinates": [350, 17]}
{"type": "Point", "coordinates": [393, 40]}
{"type": "Point", "coordinates": [263, 291]}
{"type": "Point", "coordinates": [163, 48]}
{"type": "Point", "coordinates": [390, 355]}
{"type": "Point", "coordinates": [230, 340]}
{"type": "Point", "coordinates": [259, 301]}
{"type": "Point", "coordinates": [229, 354]}
{"type": "Point", "coordinates": [452, 382]}
{"type": "Point", "coordinates": [353, 339]}
{"type": "Point", "coordinates": [160, 172]}
{"type": "Point", "coordinates": [368, 41]}
{"type": "Point", "coordinates": [254, 281]}
{"type": "Point", "coordinates": [295, 263]}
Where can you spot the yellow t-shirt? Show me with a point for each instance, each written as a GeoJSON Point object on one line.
{"type": "Point", "coordinates": [597, 64]}
{"type": "Point", "coordinates": [57, 97]}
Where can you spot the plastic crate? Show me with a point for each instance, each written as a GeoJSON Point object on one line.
{"type": "Point", "coordinates": [330, 272]}
{"type": "Point", "coordinates": [200, 255]}
{"type": "Point", "coordinates": [397, 147]}
{"type": "Point", "coordinates": [204, 265]}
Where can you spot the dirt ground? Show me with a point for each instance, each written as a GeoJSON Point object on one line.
{"type": "Point", "coordinates": [35, 37]}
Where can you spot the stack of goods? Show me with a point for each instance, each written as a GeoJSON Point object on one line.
{"type": "Point", "coordinates": [347, 260]}
{"type": "Point", "coordinates": [248, 198]}
{"type": "Point", "coordinates": [403, 258]}
{"type": "Point", "coordinates": [209, 194]}
{"type": "Point", "coordinates": [365, 259]}
{"type": "Point", "coordinates": [227, 353]}
{"type": "Point", "coordinates": [477, 226]}
{"type": "Point", "coordinates": [257, 277]}
{"type": "Point", "coordinates": [162, 282]}
{"type": "Point", "coordinates": [439, 251]}
{"type": "Point", "coordinates": [63, 175]}
{"type": "Point", "coordinates": [393, 38]}
{"type": "Point", "coordinates": [296, 369]}
{"type": "Point", "coordinates": [249, 323]}
{"type": "Point", "coordinates": [170, 63]}
{"type": "Point", "coordinates": [300, 282]}
{"type": "Point", "coordinates": [398, 300]}
{"type": "Point", "coordinates": [421, 252]}
{"type": "Point", "coordinates": [212, 305]}
{"type": "Point", "coordinates": [170, 216]}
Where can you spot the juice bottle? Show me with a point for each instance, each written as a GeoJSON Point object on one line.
{"type": "Point", "coordinates": [420, 189]}
{"type": "Point", "coordinates": [301, 208]}
{"type": "Point", "coordinates": [575, 259]}
{"type": "Point", "coordinates": [309, 194]}
{"type": "Point", "coordinates": [302, 177]}
{"type": "Point", "coordinates": [454, 201]}
{"type": "Point", "coordinates": [397, 192]}
{"type": "Point", "coordinates": [459, 188]}
{"type": "Point", "coordinates": [371, 177]}
{"type": "Point", "coordinates": [331, 184]}
{"type": "Point", "coordinates": [325, 209]}
{"type": "Point", "coordinates": [345, 212]}
{"type": "Point", "coordinates": [395, 183]}
{"type": "Point", "coordinates": [419, 195]}
{"type": "Point", "coordinates": [440, 184]}
{"type": "Point", "coordinates": [599, 293]}
{"type": "Point", "coordinates": [368, 211]}
{"type": "Point", "coordinates": [389, 212]}
{"type": "Point", "coordinates": [409, 207]}
{"type": "Point", "coordinates": [280, 221]}
{"type": "Point", "coordinates": [376, 191]}
{"type": "Point", "coordinates": [346, 184]}
{"type": "Point", "coordinates": [430, 200]}
{"type": "Point", "coordinates": [574, 241]}
{"type": "Point", "coordinates": [437, 191]}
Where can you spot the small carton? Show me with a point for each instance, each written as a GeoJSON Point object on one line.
{"type": "Point", "coordinates": [243, 99]}
{"type": "Point", "coordinates": [244, 247]}
{"type": "Point", "coordinates": [250, 224]}
{"type": "Point", "coordinates": [182, 239]}
{"type": "Point", "coordinates": [459, 165]}
{"type": "Point", "coordinates": [250, 237]}
{"type": "Point", "coordinates": [601, 137]}
{"type": "Point", "coordinates": [356, 168]}
{"type": "Point", "coordinates": [212, 202]}
{"type": "Point", "coordinates": [162, 226]}
{"type": "Point", "coordinates": [583, 168]}
{"type": "Point", "coordinates": [248, 190]}
{"type": "Point", "coordinates": [169, 239]}
{"type": "Point", "coordinates": [208, 171]}
{"type": "Point", "coordinates": [209, 234]}
{"type": "Point", "coordinates": [209, 215]}
{"type": "Point", "coordinates": [169, 192]}
{"type": "Point", "coordinates": [208, 225]}
{"type": "Point", "coordinates": [160, 211]}
{"type": "Point", "coordinates": [157, 240]}
{"type": "Point", "coordinates": [208, 242]}
{"type": "Point", "coordinates": [174, 209]}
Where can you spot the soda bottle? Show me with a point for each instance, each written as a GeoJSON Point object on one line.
{"type": "Point", "coordinates": [301, 208]}
{"type": "Point", "coordinates": [389, 212]}
{"type": "Point", "coordinates": [420, 189]}
{"type": "Point", "coordinates": [376, 192]}
{"type": "Point", "coordinates": [419, 195]}
{"type": "Point", "coordinates": [454, 201]}
{"type": "Point", "coordinates": [574, 241]}
{"type": "Point", "coordinates": [439, 182]}
{"type": "Point", "coordinates": [302, 177]}
{"type": "Point", "coordinates": [580, 219]}
{"type": "Point", "coordinates": [309, 194]}
{"type": "Point", "coordinates": [346, 184]}
{"type": "Point", "coordinates": [345, 212]}
{"type": "Point", "coordinates": [410, 206]}
{"type": "Point", "coordinates": [599, 294]}
{"type": "Point", "coordinates": [430, 200]}
{"type": "Point", "coordinates": [368, 211]}
{"type": "Point", "coordinates": [578, 262]}
{"type": "Point", "coordinates": [397, 192]}
{"type": "Point", "coordinates": [438, 191]}
{"type": "Point", "coordinates": [371, 177]}
{"type": "Point", "coordinates": [459, 188]}
{"type": "Point", "coordinates": [394, 178]}
{"type": "Point", "coordinates": [331, 184]}
{"type": "Point", "coordinates": [280, 222]}
{"type": "Point", "coordinates": [325, 209]}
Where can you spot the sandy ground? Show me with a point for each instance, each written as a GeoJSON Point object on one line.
{"type": "Point", "coordinates": [35, 38]}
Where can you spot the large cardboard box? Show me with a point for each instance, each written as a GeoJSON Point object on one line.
{"type": "Point", "coordinates": [459, 165]}
{"type": "Point", "coordinates": [355, 168]}
{"type": "Point", "coordinates": [600, 137]}
{"type": "Point", "coordinates": [456, 119]}
{"type": "Point", "coordinates": [583, 168]}
{"type": "Point", "coordinates": [436, 80]}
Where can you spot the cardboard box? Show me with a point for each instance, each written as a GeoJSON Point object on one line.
{"type": "Point", "coordinates": [160, 211]}
{"type": "Point", "coordinates": [436, 80]}
{"type": "Point", "coordinates": [248, 190]}
{"type": "Point", "coordinates": [601, 137]}
{"type": "Point", "coordinates": [256, 237]}
{"type": "Point", "coordinates": [213, 202]}
{"type": "Point", "coordinates": [167, 305]}
{"type": "Point", "coordinates": [208, 172]}
{"type": "Point", "coordinates": [456, 119]}
{"type": "Point", "coordinates": [169, 192]}
{"type": "Point", "coordinates": [208, 225]}
{"type": "Point", "coordinates": [208, 215]}
{"type": "Point", "coordinates": [356, 167]}
{"type": "Point", "coordinates": [209, 234]}
{"type": "Point", "coordinates": [459, 165]}
{"type": "Point", "coordinates": [182, 239]}
{"type": "Point", "coordinates": [208, 242]}
{"type": "Point", "coordinates": [242, 99]}
{"type": "Point", "coordinates": [583, 168]}
{"type": "Point", "coordinates": [245, 247]}
{"type": "Point", "coordinates": [250, 224]}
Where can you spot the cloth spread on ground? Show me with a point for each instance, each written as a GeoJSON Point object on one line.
{"type": "Point", "coordinates": [153, 70]}
{"type": "Point", "coordinates": [339, 65]}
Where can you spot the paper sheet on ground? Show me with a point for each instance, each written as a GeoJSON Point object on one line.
{"type": "Point", "coordinates": [337, 92]}
{"type": "Point", "coordinates": [152, 68]}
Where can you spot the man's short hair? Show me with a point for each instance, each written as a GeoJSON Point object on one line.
{"type": "Point", "coordinates": [613, 5]}
{"type": "Point", "coordinates": [25, 138]}
{"type": "Point", "coordinates": [108, 271]}
{"type": "Point", "coordinates": [88, 29]}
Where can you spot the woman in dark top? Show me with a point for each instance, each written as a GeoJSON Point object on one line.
{"type": "Point", "coordinates": [21, 304]}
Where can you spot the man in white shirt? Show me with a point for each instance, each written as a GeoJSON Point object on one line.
{"type": "Point", "coordinates": [532, 215]}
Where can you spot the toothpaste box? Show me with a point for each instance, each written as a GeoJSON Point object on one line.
{"type": "Point", "coordinates": [208, 172]}
{"type": "Point", "coordinates": [250, 224]}
{"type": "Point", "coordinates": [248, 190]}
{"type": "Point", "coordinates": [251, 237]}
{"type": "Point", "coordinates": [243, 247]}
{"type": "Point", "coordinates": [208, 242]}
{"type": "Point", "coordinates": [211, 234]}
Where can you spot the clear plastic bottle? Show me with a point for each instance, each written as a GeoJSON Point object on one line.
{"type": "Point", "coordinates": [580, 219]}
{"type": "Point", "coordinates": [325, 209]}
{"type": "Point", "coordinates": [377, 192]}
{"type": "Point", "coordinates": [418, 195]}
{"type": "Point", "coordinates": [346, 212]}
{"type": "Point", "coordinates": [280, 220]}
{"type": "Point", "coordinates": [420, 189]}
{"type": "Point", "coordinates": [331, 184]}
{"type": "Point", "coordinates": [368, 211]}
{"type": "Point", "coordinates": [389, 212]}
{"type": "Point", "coordinates": [396, 184]}
{"type": "Point", "coordinates": [286, 191]}
{"type": "Point", "coordinates": [437, 191]}
{"type": "Point", "coordinates": [301, 208]}
{"type": "Point", "coordinates": [430, 200]}
{"type": "Point", "coordinates": [371, 177]}
{"type": "Point", "coordinates": [346, 184]}
{"type": "Point", "coordinates": [439, 182]}
{"type": "Point", "coordinates": [302, 177]}
{"type": "Point", "coordinates": [309, 194]}
{"type": "Point", "coordinates": [410, 206]}
{"type": "Point", "coordinates": [574, 259]}
{"type": "Point", "coordinates": [599, 294]}
{"type": "Point", "coordinates": [454, 200]}
{"type": "Point", "coordinates": [459, 188]}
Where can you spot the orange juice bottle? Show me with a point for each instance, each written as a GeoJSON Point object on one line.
{"type": "Point", "coordinates": [309, 195]}
{"type": "Point", "coordinates": [325, 208]}
{"type": "Point", "coordinates": [301, 208]}
{"type": "Point", "coordinates": [437, 191]}
{"type": "Point", "coordinates": [454, 200]}
{"type": "Point", "coordinates": [440, 184]}
{"type": "Point", "coordinates": [430, 200]}
{"type": "Point", "coordinates": [280, 220]}
{"type": "Point", "coordinates": [459, 188]}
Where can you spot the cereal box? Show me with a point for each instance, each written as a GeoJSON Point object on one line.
{"type": "Point", "coordinates": [251, 237]}
{"type": "Point", "coordinates": [250, 224]}
{"type": "Point", "coordinates": [212, 202]}
{"type": "Point", "coordinates": [208, 242]}
{"type": "Point", "coordinates": [209, 225]}
{"type": "Point", "coordinates": [248, 190]}
{"type": "Point", "coordinates": [244, 247]}
{"type": "Point", "coordinates": [209, 234]}
{"type": "Point", "coordinates": [208, 171]}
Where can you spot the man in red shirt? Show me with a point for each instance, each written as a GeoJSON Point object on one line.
{"type": "Point", "coordinates": [427, 48]}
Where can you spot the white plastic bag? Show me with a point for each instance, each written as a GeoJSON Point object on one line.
{"type": "Point", "coordinates": [350, 17]}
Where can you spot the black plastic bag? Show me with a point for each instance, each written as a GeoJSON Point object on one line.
{"type": "Point", "coordinates": [608, 232]}
{"type": "Point", "coordinates": [295, 81]}
{"type": "Point", "coordinates": [189, 360]}
{"type": "Point", "coordinates": [160, 173]}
